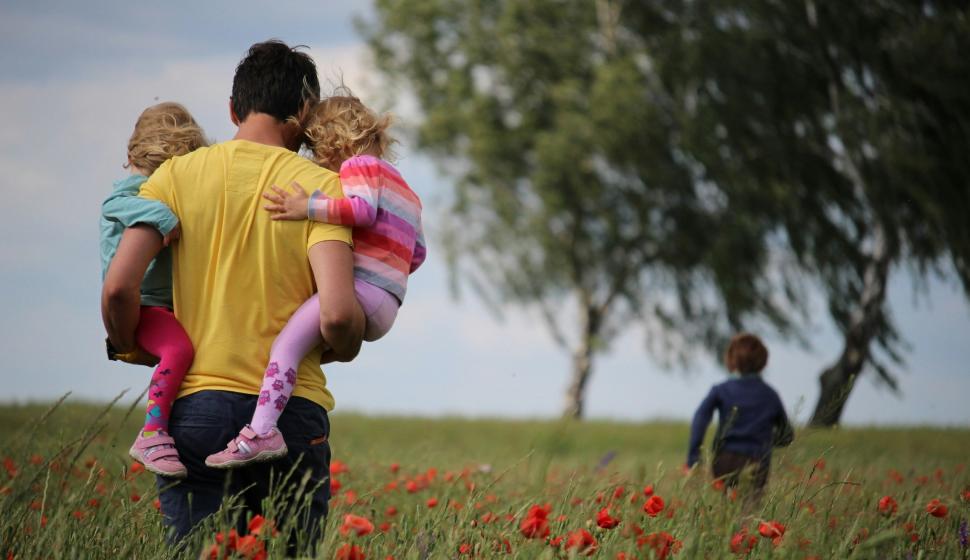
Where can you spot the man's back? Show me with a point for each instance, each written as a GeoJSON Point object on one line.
{"type": "Point", "coordinates": [238, 276]}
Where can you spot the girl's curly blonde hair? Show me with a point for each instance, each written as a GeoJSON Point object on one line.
{"type": "Point", "coordinates": [340, 127]}
{"type": "Point", "coordinates": [161, 132]}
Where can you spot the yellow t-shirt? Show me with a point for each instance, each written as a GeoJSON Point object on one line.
{"type": "Point", "coordinates": [237, 274]}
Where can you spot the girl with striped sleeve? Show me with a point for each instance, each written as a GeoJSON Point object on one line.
{"type": "Point", "coordinates": [385, 215]}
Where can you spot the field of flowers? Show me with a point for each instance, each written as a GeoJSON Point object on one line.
{"type": "Point", "coordinates": [416, 488]}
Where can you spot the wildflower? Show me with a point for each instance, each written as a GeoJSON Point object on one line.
{"type": "Point", "coordinates": [334, 486]}
{"type": "Point", "coordinates": [888, 506]}
{"type": "Point", "coordinates": [395, 467]}
{"type": "Point", "coordinates": [582, 541]}
{"type": "Point", "coordinates": [136, 468]}
{"type": "Point", "coordinates": [653, 506]}
{"type": "Point", "coordinates": [411, 486]}
{"type": "Point", "coordinates": [157, 504]}
{"type": "Point", "coordinates": [555, 542]}
{"type": "Point", "coordinates": [135, 497]}
{"type": "Point", "coordinates": [360, 526]}
{"type": "Point", "coordinates": [936, 508]}
{"type": "Point", "coordinates": [718, 484]}
{"type": "Point", "coordinates": [605, 521]}
{"type": "Point", "coordinates": [391, 511]}
{"type": "Point", "coordinates": [648, 490]}
{"type": "Point", "coordinates": [251, 548]}
{"type": "Point", "coordinates": [10, 467]}
{"type": "Point", "coordinates": [742, 542]}
{"type": "Point", "coordinates": [432, 502]}
{"type": "Point", "coordinates": [535, 525]}
{"type": "Point", "coordinates": [618, 492]}
{"type": "Point", "coordinates": [350, 552]}
{"type": "Point", "coordinates": [338, 467]}
{"type": "Point", "coordinates": [36, 459]}
{"type": "Point", "coordinates": [258, 523]}
{"type": "Point", "coordinates": [772, 530]}
{"type": "Point", "coordinates": [384, 527]}
{"type": "Point", "coordinates": [78, 514]}
{"type": "Point", "coordinates": [662, 543]}
{"type": "Point", "coordinates": [464, 548]}
{"type": "Point", "coordinates": [94, 502]}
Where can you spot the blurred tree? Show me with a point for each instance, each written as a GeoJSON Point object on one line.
{"type": "Point", "coordinates": [669, 163]}
{"type": "Point", "coordinates": [865, 101]}
{"type": "Point", "coordinates": [573, 195]}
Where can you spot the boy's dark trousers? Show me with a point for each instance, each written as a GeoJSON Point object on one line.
{"type": "Point", "coordinates": [203, 423]}
{"type": "Point", "coordinates": [731, 467]}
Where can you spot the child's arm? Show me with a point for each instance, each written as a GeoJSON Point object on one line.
{"type": "Point", "coordinates": [784, 433]}
{"type": "Point", "coordinates": [129, 210]}
{"type": "Point", "coordinates": [362, 180]}
{"type": "Point", "coordinates": [420, 251]}
{"type": "Point", "coordinates": [702, 418]}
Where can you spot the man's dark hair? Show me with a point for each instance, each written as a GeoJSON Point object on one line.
{"type": "Point", "coordinates": [274, 79]}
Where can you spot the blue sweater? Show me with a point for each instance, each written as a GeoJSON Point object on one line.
{"type": "Point", "coordinates": [751, 419]}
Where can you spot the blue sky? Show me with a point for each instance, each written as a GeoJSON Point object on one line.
{"type": "Point", "coordinates": [73, 78]}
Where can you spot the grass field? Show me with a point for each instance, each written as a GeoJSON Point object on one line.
{"type": "Point", "coordinates": [458, 488]}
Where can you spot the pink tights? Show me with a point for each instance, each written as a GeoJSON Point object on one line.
{"type": "Point", "coordinates": [300, 335]}
{"type": "Point", "coordinates": [160, 333]}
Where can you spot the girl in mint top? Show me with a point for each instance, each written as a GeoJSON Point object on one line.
{"type": "Point", "coordinates": [162, 131]}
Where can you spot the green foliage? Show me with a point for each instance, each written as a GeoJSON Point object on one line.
{"type": "Point", "coordinates": [573, 185]}
{"type": "Point", "coordinates": [485, 475]}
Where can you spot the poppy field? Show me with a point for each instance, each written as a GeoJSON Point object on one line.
{"type": "Point", "coordinates": [449, 488]}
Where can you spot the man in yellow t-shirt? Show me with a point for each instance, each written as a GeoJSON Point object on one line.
{"type": "Point", "coordinates": [238, 276]}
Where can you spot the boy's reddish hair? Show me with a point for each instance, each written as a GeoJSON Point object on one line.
{"type": "Point", "coordinates": [746, 354]}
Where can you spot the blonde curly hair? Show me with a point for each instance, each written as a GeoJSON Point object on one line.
{"type": "Point", "coordinates": [161, 132]}
{"type": "Point", "coordinates": [341, 126]}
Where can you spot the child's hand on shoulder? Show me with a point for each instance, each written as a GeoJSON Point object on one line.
{"type": "Point", "coordinates": [288, 205]}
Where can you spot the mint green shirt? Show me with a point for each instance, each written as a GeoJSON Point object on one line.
{"type": "Point", "coordinates": [123, 209]}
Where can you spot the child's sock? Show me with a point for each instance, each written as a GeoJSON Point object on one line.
{"type": "Point", "coordinates": [299, 336]}
{"type": "Point", "coordinates": [161, 334]}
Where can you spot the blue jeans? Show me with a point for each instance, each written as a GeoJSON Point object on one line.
{"type": "Point", "coordinates": [203, 423]}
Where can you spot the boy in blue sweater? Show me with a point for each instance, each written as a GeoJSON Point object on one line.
{"type": "Point", "coordinates": [751, 417]}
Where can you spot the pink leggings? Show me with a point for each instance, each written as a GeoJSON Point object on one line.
{"type": "Point", "coordinates": [300, 335]}
{"type": "Point", "coordinates": [160, 333]}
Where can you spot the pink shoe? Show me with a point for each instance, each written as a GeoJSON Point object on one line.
{"type": "Point", "coordinates": [159, 455]}
{"type": "Point", "coordinates": [249, 447]}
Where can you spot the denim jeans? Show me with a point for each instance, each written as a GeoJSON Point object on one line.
{"type": "Point", "coordinates": [203, 423]}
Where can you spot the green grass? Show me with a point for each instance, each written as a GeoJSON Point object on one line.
{"type": "Point", "coordinates": [69, 467]}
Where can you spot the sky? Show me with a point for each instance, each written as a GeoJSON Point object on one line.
{"type": "Point", "coordinates": [73, 79]}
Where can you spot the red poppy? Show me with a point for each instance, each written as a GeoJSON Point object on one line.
{"type": "Point", "coordinates": [135, 497]}
{"type": "Point", "coordinates": [604, 520]}
{"type": "Point", "coordinates": [771, 529]}
{"type": "Point", "coordinates": [464, 548]}
{"type": "Point", "coordinates": [662, 543]}
{"type": "Point", "coordinates": [648, 490]}
{"type": "Point", "coordinates": [535, 525]}
{"type": "Point", "coordinates": [360, 526]}
{"type": "Point", "coordinates": [384, 527]}
{"type": "Point", "coordinates": [742, 542]}
{"type": "Point", "coordinates": [887, 506]}
{"type": "Point", "coordinates": [251, 548]}
{"type": "Point", "coordinates": [653, 506]}
{"type": "Point", "coordinates": [936, 508]}
{"type": "Point", "coordinates": [136, 468]}
{"type": "Point", "coordinates": [350, 552]}
{"type": "Point", "coordinates": [432, 502]}
{"type": "Point", "coordinates": [334, 486]}
{"type": "Point", "coordinates": [391, 511]}
{"type": "Point", "coordinates": [582, 541]}
{"type": "Point", "coordinates": [395, 467]}
{"type": "Point", "coordinates": [337, 467]}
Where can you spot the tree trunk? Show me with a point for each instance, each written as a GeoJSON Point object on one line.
{"type": "Point", "coordinates": [838, 379]}
{"type": "Point", "coordinates": [582, 365]}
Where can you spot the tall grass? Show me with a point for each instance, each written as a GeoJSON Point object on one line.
{"type": "Point", "coordinates": [445, 488]}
